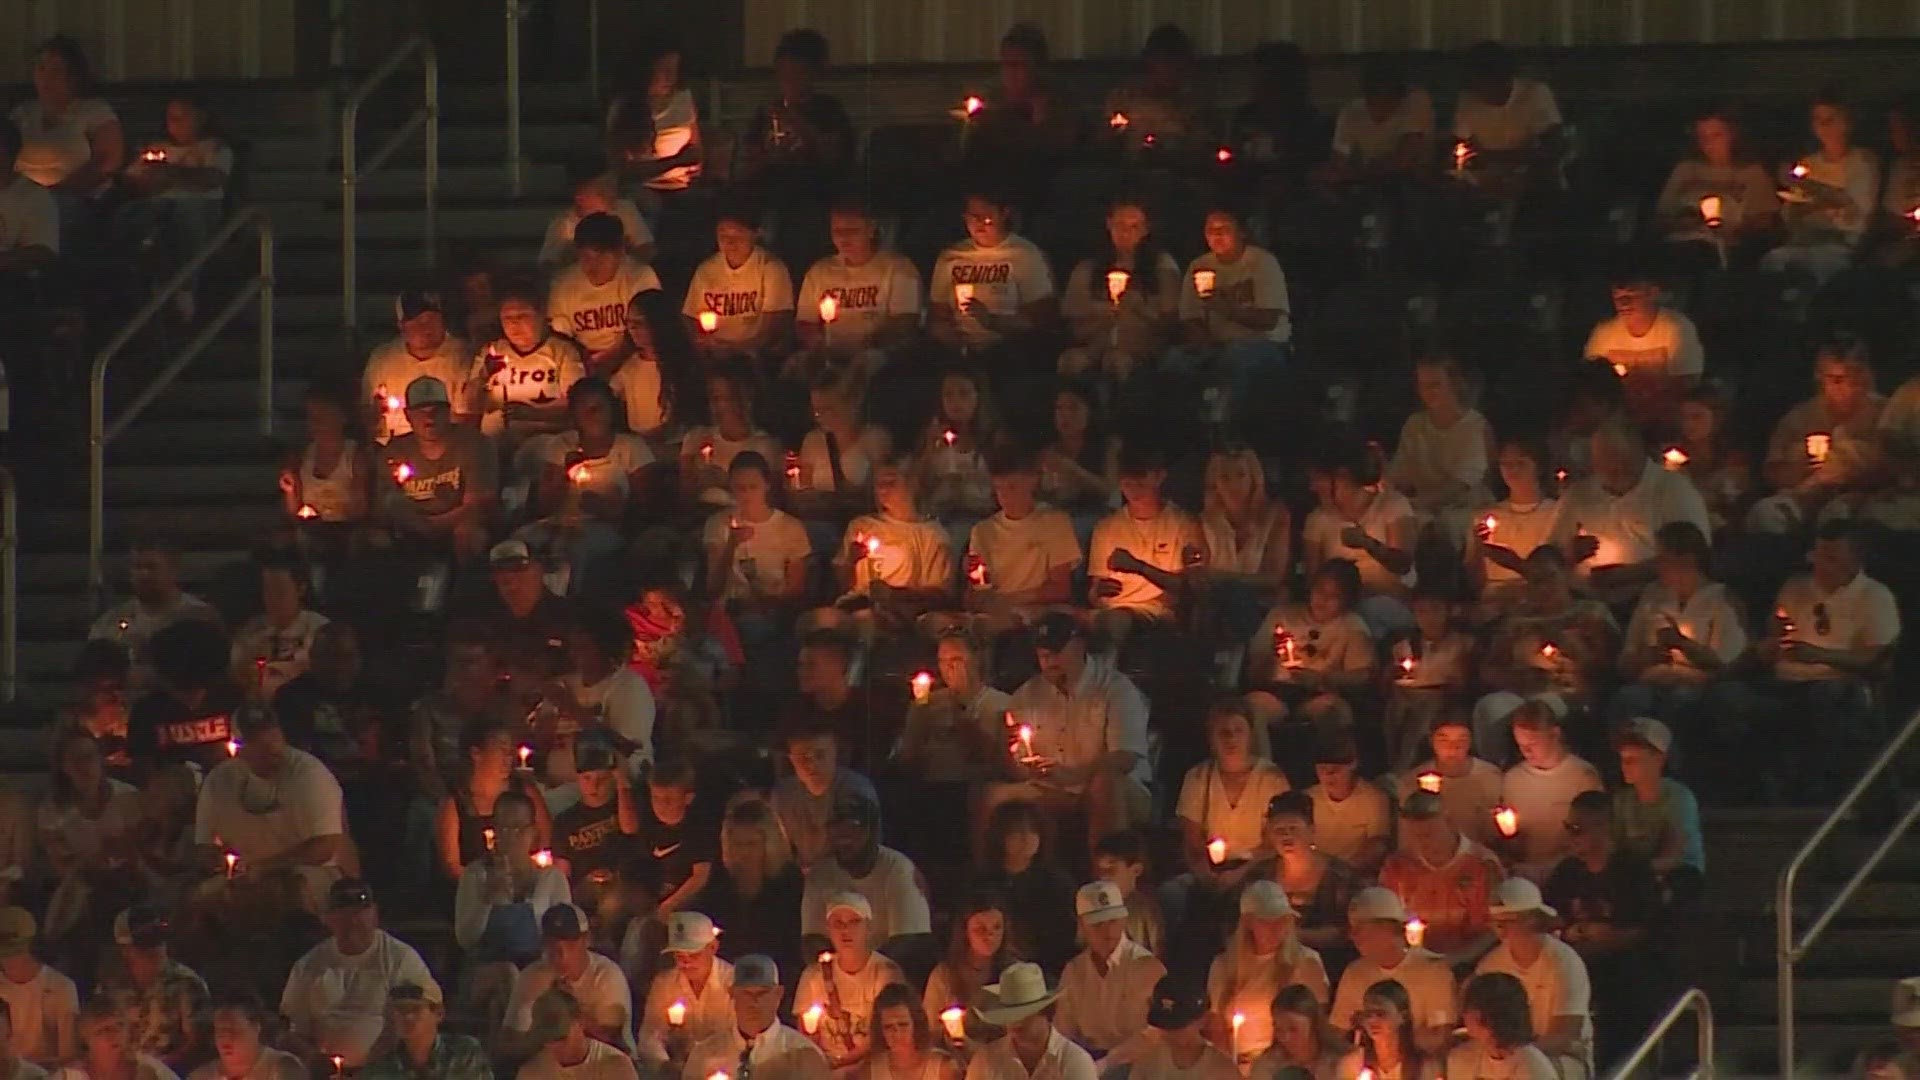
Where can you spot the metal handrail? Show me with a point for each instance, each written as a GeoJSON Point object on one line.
{"type": "Point", "coordinates": [9, 587]}
{"type": "Point", "coordinates": [1792, 950]}
{"type": "Point", "coordinates": [515, 181]}
{"type": "Point", "coordinates": [427, 118]}
{"type": "Point", "coordinates": [1693, 1001]}
{"type": "Point", "coordinates": [99, 434]}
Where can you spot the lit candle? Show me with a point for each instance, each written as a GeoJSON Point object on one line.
{"type": "Point", "coordinates": [579, 473]}
{"type": "Point", "coordinates": [1216, 851]}
{"type": "Point", "coordinates": [1239, 1021]}
{"type": "Point", "coordinates": [154, 156]}
{"type": "Point", "coordinates": [1549, 650]}
{"type": "Point", "coordinates": [1490, 522]}
{"type": "Point", "coordinates": [826, 959]}
{"type": "Point", "coordinates": [402, 473]}
{"type": "Point", "coordinates": [1560, 477]}
{"type": "Point", "coordinates": [1224, 155]}
{"type": "Point", "coordinates": [829, 308]}
{"type": "Point", "coordinates": [954, 1019]}
{"type": "Point", "coordinates": [543, 858]}
{"type": "Point", "coordinates": [487, 836]}
{"type": "Point", "coordinates": [977, 571]}
{"type": "Point", "coordinates": [709, 321]}
{"type": "Point", "coordinates": [1406, 666]}
{"type": "Point", "coordinates": [719, 1074]}
{"type": "Point", "coordinates": [1507, 820]}
{"type": "Point", "coordinates": [1675, 459]}
{"type": "Point", "coordinates": [1203, 281]}
{"type": "Point", "coordinates": [1461, 152]}
{"type": "Point", "coordinates": [1785, 620]}
{"type": "Point", "coordinates": [1710, 211]}
{"type": "Point", "coordinates": [526, 755]}
{"type": "Point", "coordinates": [1819, 445]}
{"type": "Point", "coordinates": [922, 686]}
{"type": "Point", "coordinates": [1026, 739]}
{"type": "Point", "coordinates": [1913, 215]}
{"type": "Point", "coordinates": [972, 106]}
{"type": "Point", "coordinates": [677, 1013]}
{"type": "Point", "coordinates": [1118, 122]}
{"type": "Point", "coordinates": [950, 437]}
{"type": "Point", "coordinates": [306, 512]}
{"type": "Point", "coordinates": [810, 1020]}
{"type": "Point", "coordinates": [1364, 1074]}
{"type": "Point", "coordinates": [706, 453]}
{"type": "Point", "coordinates": [873, 547]}
{"type": "Point", "coordinates": [233, 747]}
{"type": "Point", "coordinates": [1620, 370]}
{"type": "Point", "coordinates": [233, 863]}
{"type": "Point", "coordinates": [123, 625]}
{"type": "Point", "coordinates": [1799, 171]}
{"type": "Point", "coordinates": [793, 468]}
{"type": "Point", "coordinates": [259, 675]}
{"type": "Point", "coordinates": [1416, 932]}
{"type": "Point", "coordinates": [1430, 781]}
{"type": "Point", "coordinates": [963, 294]}
{"type": "Point", "coordinates": [339, 1064]}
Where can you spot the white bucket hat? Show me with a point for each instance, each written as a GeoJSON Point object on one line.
{"type": "Point", "coordinates": [1518, 896]}
{"type": "Point", "coordinates": [1021, 992]}
{"type": "Point", "coordinates": [1265, 899]}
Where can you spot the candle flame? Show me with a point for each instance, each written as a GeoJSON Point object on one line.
{"type": "Point", "coordinates": [402, 473]}
{"type": "Point", "coordinates": [1507, 820]}
{"type": "Point", "coordinates": [233, 860]}
{"type": "Point", "coordinates": [1549, 650]}
{"type": "Point", "coordinates": [950, 436]}
{"type": "Point", "coordinates": [709, 321]}
{"type": "Point", "coordinates": [487, 836]}
{"type": "Point", "coordinates": [1216, 851]}
{"type": "Point", "coordinates": [1430, 781]}
{"type": "Point", "coordinates": [972, 105]}
{"type": "Point", "coordinates": [394, 404]}
{"type": "Point", "coordinates": [1416, 932]}
{"type": "Point", "coordinates": [1675, 458]}
{"type": "Point", "coordinates": [1620, 370]}
{"type": "Point", "coordinates": [706, 452]}
{"type": "Point", "coordinates": [1117, 284]}
{"type": "Point", "coordinates": [233, 747]}
{"type": "Point", "coordinates": [1490, 522]}
{"type": "Point", "coordinates": [526, 754]}
{"type": "Point", "coordinates": [1710, 208]}
{"type": "Point", "coordinates": [1118, 121]}
{"type": "Point", "coordinates": [829, 308]}
{"type": "Point", "coordinates": [1406, 664]}
{"type": "Point", "coordinates": [677, 1013]}
{"type": "Point", "coordinates": [953, 1017]}
{"type": "Point", "coordinates": [579, 473]}
{"type": "Point", "coordinates": [543, 858]}
{"type": "Point", "coordinates": [339, 1063]}
{"type": "Point", "coordinates": [1224, 155]}
{"type": "Point", "coordinates": [306, 512]}
{"type": "Point", "coordinates": [873, 545]}
{"type": "Point", "coordinates": [1800, 171]}
{"type": "Point", "coordinates": [1239, 1020]}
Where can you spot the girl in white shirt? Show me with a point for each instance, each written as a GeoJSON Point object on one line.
{"type": "Point", "coordinates": [71, 141]}
{"type": "Point", "coordinates": [837, 457]}
{"type": "Point", "coordinates": [644, 382]}
{"type": "Point", "coordinates": [707, 451]}
{"type": "Point", "coordinates": [904, 1040]}
{"type": "Point", "coordinates": [1080, 467]}
{"type": "Point", "coordinates": [1248, 550]}
{"type": "Point", "coordinates": [951, 470]}
{"type": "Point", "coordinates": [328, 483]}
{"type": "Point", "coordinates": [1387, 1049]}
{"type": "Point", "coordinates": [653, 135]}
{"type": "Point", "coordinates": [1506, 532]}
{"type": "Point", "coordinates": [1223, 800]}
{"type": "Point", "coordinates": [1831, 197]}
{"type": "Point", "coordinates": [1122, 303]}
{"type": "Point", "coordinates": [1441, 461]}
{"type": "Point", "coordinates": [1263, 957]}
{"type": "Point", "coordinates": [756, 553]}
{"type": "Point", "coordinates": [185, 177]}
{"type": "Point", "coordinates": [1308, 655]}
{"type": "Point", "coordinates": [1500, 1035]}
{"type": "Point", "coordinates": [85, 832]}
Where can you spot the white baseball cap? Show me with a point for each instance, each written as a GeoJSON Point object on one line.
{"type": "Point", "coordinates": [1376, 903]}
{"type": "Point", "coordinates": [1518, 896]}
{"type": "Point", "coordinates": [1266, 900]}
{"type": "Point", "coordinates": [850, 901]}
{"type": "Point", "coordinates": [689, 932]}
{"type": "Point", "coordinates": [1099, 902]}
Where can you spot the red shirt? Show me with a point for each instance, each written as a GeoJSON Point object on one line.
{"type": "Point", "coordinates": [1451, 899]}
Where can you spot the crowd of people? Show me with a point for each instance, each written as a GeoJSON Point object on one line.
{"type": "Point", "coordinates": [906, 667]}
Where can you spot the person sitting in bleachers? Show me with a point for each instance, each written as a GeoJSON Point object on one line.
{"type": "Point", "coordinates": [1469, 786]}
{"type": "Point", "coordinates": [31, 238]}
{"type": "Point", "coordinates": [839, 989]}
{"type": "Point", "coordinates": [1080, 461]}
{"type": "Point", "coordinates": [518, 384]}
{"type": "Point", "coordinates": [1221, 809]}
{"type": "Point", "coordinates": [653, 131]}
{"type": "Point", "coordinates": [422, 348]}
{"type": "Point", "coordinates": [1443, 877]}
{"type": "Point", "coordinates": [1284, 138]}
{"type": "Point", "coordinates": [1442, 459]}
{"type": "Point", "coordinates": [1510, 125]}
{"type": "Point", "coordinates": [1163, 113]}
{"type": "Point", "coordinates": [1609, 900]}
{"type": "Point", "coordinates": [1558, 992]}
{"type": "Point", "coordinates": [1376, 533]}
{"type": "Point", "coordinates": [279, 856]}
{"type": "Point", "coordinates": [1317, 886]}
{"type": "Point", "coordinates": [1234, 304]}
{"type": "Point", "coordinates": [596, 190]}
{"type": "Point", "coordinates": [73, 144]}
{"type": "Point", "coordinates": [957, 735]}
{"type": "Point", "coordinates": [1305, 660]}
{"type": "Point", "coordinates": [798, 146]}
{"type": "Point", "coordinates": [876, 294]}
{"type": "Point", "coordinates": [1830, 194]}
{"type": "Point", "coordinates": [649, 381]}
{"type": "Point", "coordinates": [1655, 349]}
{"type": "Point", "coordinates": [1608, 520]}
{"type": "Point", "coordinates": [1655, 816]}
{"type": "Point", "coordinates": [272, 649]}
{"type": "Point", "coordinates": [991, 295]}
{"type": "Point", "coordinates": [331, 480]}
{"type": "Point", "coordinates": [185, 721]}
{"type": "Point", "coordinates": [707, 451]}
{"type": "Point", "coordinates": [1265, 956]}
{"type": "Point", "coordinates": [183, 178]}
{"type": "Point", "coordinates": [584, 482]}
{"type": "Point", "coordinates": [1720, 468]}
{"type": "Point", "coordinates": [1121, 303]}
{"type": "Point", "coordinates": [158, 601]}
{"type": "Point", "coordinates": [1021, 561]}
{"type": "Point", "coordinates": [1377, 922]}
{"type": "Point", "coordinates": [1826, 449]}
{"type": "Point", "coordinates": [1433, 665]}
{"type": "Point", "coordinates": [439, 484]}
{"type": "Point", "coordinates": [500, 901]}
{"type": "Point", "coordinates": [833, 469]}
{"type": "Point", "coordinates": [1501, 1037]}
{"type": "Point", "coordinates": [1122, 858]}
{"type": "Point", "coordinates": [1718, 200]}
{"type": "Point", "coordinates": [699, 983]}
{"type": "Point", "coordinates": [894, 565]}
{"type": "Point", "coordinates": [740, 301]}
{"type": "Point", "coordinates": [1539, 792]}
{"type": "Point", "coordinates": [587, 300]}
{"type": "Point", "coordinates": [1247, 540]}
{"type": "Point", "coordinates": [1686, 631]}
{"type": "Point", "coordinates": [803, 799]}
{"type": "Point", "coordinates": [1107, 989]}
{"type": "Point", "coordinates": [1028, 128]}
{"type": "Point", "coordinates": [1387, 131]}
{"type": "Point", "coordinates": [571, 968]}
{"type": "Point", "coordinates": [1506, 533]}
{"type": "Point", "coordinates": [756, 552]}
{"type": "Point", "coordinates": [950, 471]}
{"type": "Point", "coordinates": [1352, 818]}
{"type": "Point", "coordinates": [859, 865]}
{"type": "Point", "coordinates": [466, 825]}
{"type": "Point", "coordinates": [82, 832]}
{"type": "Point", "coordinates": [1140, 554]}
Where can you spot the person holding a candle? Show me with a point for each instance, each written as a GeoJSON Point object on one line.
{"type": "Point", "coordinates": [567, 1046]}
{"type": "Point", "coordinates": [443, 477]}
{"type": "Point", "coordinates": [1391, 1044]}
{"type": "Point", "coordinates": [836, 458]}
{"type": "Point", "coordinates": [280, 810]}
{"type": "Point", "coordinates": [1719, 467]}
{"type": "Point", "coordinates": [271, 649]}
{"type": "Point", "coordinates": [1317, 886]}
{"type": "Point", "coordinates": [1137, 561]}
{"type": "Point", "coordinates": [1554, 644]}
{"type": "Point", "coordinates": [707, 450]}
{"type": "Point", "coordinates": [756, 553]}
{"type": "Point", "coordinates": [1304, 658]}
{"type": "Point", "coordinates": [834, 999]}
{"type": "Point", "coordinates": [1720, 167]}
{"type": "Point", "coordinates": [572, 969]}
{"type": "Point", "coordinates": [335, 999]}
{"type": "Point", "coordinates": [157, 602]}
{"type": "Point", "coordinates": [653, 134]}
{"type": "Point", "coordinates": [876, 293]}
{"type": "Point", "coordinates": [1235, 308]}
{"type": "Point", "coordinates": [1441, 461]}
{"type": "Point", "coordinates": [1120, 304]}
{"type": "Point", "coordinates": [186, 719]}
{"type": "Point", "coordinates": [690, 1002]}
{"type": "Point", "coordinates": [1222, 806]}
{"type": "Point", "coordinates": [896, 559]}
{"type": "Point", "coordinates": [1033, 1046]}
{"type": "Point", "coordinates": [1174, 1043]}
{"type": "Point", "coordinates": [1685, 632]}
{"type": "Point", "coordinates": [1540, 790]}
{"type": "Point", "coordinates": [470, 808]}
{"type": "Point", "coordinates": [1830, 195]}
{"type": "Point", "coordinates": [1657, 346]}
{"type": "Point", "coordinates": [1106, 990]}
{"type": "Point", "coordinates": [757, 1043]}
{"type": "Point", "coordinates": [979, 948]}
{"type": "Point", "coordinates": [904, 1040]}
{"type": "Point", "coordinates": [330, 480]}
{"type": "Point", "coordinates": [236, 1020]}
{"type": "Point", "coordinates": [950, 472]}
{"type": "Point", "coordinates": [1444, 877]}
{"type": "Point", "coordinates": [748, 290]}
{"type": "Point", "coordinates": [1608, 520]}
{"type": "Point", "coordinates": [1021, 561]}
{"type": "Point", "coordinates": [1433, 666]}
{"type": "Point", "coordinates": [956, 736]}
{"type": "Point", "coordinates": [799, 145]}
{"type": "Point", "coordinates": [886, 882]}
{"type": "Point", "coordinates": [1827, 449]}
{"type": "Point", "coordinates": [420, 1048]}
{"type": "Point", "coordinates": [1264, 955]}
{"type": "Point", "coordinates": [1387, 131]}
{"type": "Point", "coordinates": [992, 293]}
{"type": "Point", "coordinates": [518, 383]}
{"type": "Point", "coordinates": [1247, 534]}
{"type": "Point", "coordinates": [1510, 124]}
{"type": "Point", "coordinates": [1380, 927]}
{"type": "Point", "coordinates": [1352, 818]}
{"type": "Point", "coordinates": [1558, 992]}
{"type": "Point", "coordinates": [1304, 1043]}
{"type": "Point", "coordinates": [499, 902]}
{"type": "Point", "coordinates": [587, 301]}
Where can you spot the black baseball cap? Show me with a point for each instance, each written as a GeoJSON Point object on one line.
{"type": "Point", "coordinates": [143, 926]}
{"type": "Point", "coordinates": [1056, 631]}
{"type": "Point", "coordinates": [592, 753]}
{"type": "Point", "coordinates": [854, 808]}
{"type": "Point", "coordinates": [1176, 1003]}
{"type": "Point", "coordinates": [349, 892]}
{"type": "Point", "coordinates": [564, 922]}
{"type": "Point", "coordinates": [413, 303]}
{"type": "Point", "coordinates": [601, 232]}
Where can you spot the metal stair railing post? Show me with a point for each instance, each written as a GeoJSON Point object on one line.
{"type": "Point", "coordinates": [427, 119]}
{"type": "Point", "coordinates": [1790, 950]}
{"type": "Point", "coordinates": [99, 433]}
{"type": "Point", "coordinates": [9, 587]}
{"type": "Point", "coordinates": [1694, 1001]}
{"type": "Point", "coordinates": [515, 180]}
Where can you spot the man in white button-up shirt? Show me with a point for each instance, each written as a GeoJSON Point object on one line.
{"type": "Point", "coordinates": [1608, 521]}
{"type": "Point", "coordinates": [757, 1041]}
{"type": "Point", "coordinates": [690, 1002]}
{"type": "Point", "coordinates": [1106, 990]}
{"type": "Point", "coordinates": [1033, 1049]}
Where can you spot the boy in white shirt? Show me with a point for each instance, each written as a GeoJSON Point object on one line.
{"type": "Point", "coordinates": [1022, 558]}
{"type": "Point", "coordinates": [558, 1027]}
{"type": "Point", "coordinates": [838, 990]}
{"type": "Point", "coordinates": [596, 190]}
{"type": "Point", "coordinates": [422, 348]}
{"type": "Point", "coordinates": [1236, 293]}
{"type": "Point", "coordinates": [1540, 791]}
{"type": "Point", "coordinates": [1510, 126]}
{"type": "Point", "coordinates": [1654, 348]}
{"type": "Point", "coordinates": [992, 288]}
{"type": "Point", "coordinates": [1559, 993]}
{"type": "Point", "coordinates": [1686, 629]}
{"type": "Point", "coordinates": [41, 1003]}
{"type": "Point", "coordinates": [1138, 558]}
{"type": "Point", "coordinates": [1352, 818]}
{"type": "Point", "coordinates": [588, 300]}
{"type": "Point", "coordinates": [741, 298]}
{"type": "Point", "coordinates": [875, 293]}
{"type": "Point", "coordinates": [1387, 129]}
{"type": "Point", "coordinates": [899, 560]}
{"type": "Point", "coordinates": [1377, 926]}
{"type": "Point", "coordinates": [518, 385]}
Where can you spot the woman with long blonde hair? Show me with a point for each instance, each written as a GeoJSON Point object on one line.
{"type": "Point", "coordinates": [755, 890]}
{"type": "Point", "coordinates": [1247, 553]}
{"type": "Point", "coordinates": [1263, 956]}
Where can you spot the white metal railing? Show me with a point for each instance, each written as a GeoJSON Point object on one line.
{"type": "Point", "coordinates": [1792, 949]}
{"type": "Point", "coordinates": [100, 433]}
{"type": "Point", "coordinates": [516, 182]}
{"type": "Point", "coordinates": [1694, 1002]}
{"type": "Point", "coordinates": [9, 587]}
{"type": "Point", "coordinates": [426, 119]}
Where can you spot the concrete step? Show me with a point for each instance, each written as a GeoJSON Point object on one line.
{"type": "Point", "coordinates": [1842, 998]}
{"type": "Point", "coordinates": [478, 144]}
{"type": "Point", "coordinates": [211, 525]}
{"type": "Point", "coordinates": [308, 221]}
{"type": "Point", "coordinates": [212, 394]}
{"type": "Point", "coordinates": [53, 572]}
{"type": "Point", "coordinates": [285, 185]}
{"type": "Point", "coordinates": [158, 438]}
{"type": "Point", "coordinates": [310, 264]}
{"type": "Point", "coordinates": [1822, 1047]}
{"type": "Point", "coordinates": [240, 476]}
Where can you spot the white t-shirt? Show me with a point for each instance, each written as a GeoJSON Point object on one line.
{"type": "Point", "coordinates": [212, 154]}
{"type": "Point", "coordinates": [739, 295]}
{"type": "Point", "coordinates": [625, 703]}
{"type": "Point", "coordinates": [1138, 323]}
{"type": "Point", "coordinates": [1003, 279]}
{"type": "Point", "coordinates": [1252, 282]}
{"type": "Point", "coordinates": [1147, 1057]}
{"type": "Point", "coordinates": [1062, 1061]}
{"type": "Point", "coordinates": [912, 554]}
{"type": "Point", "coordinates": [1529, 112]}
{"type": "Point", "coordinates": [1158, 541]}
{"type": "Point", "coordinates": [1467, 800]}
{"type": "Point", "coordinates": [709, 1012]}
{"type": "Point", "coordinates": [1557, 985]}
{"type": "Point", "coordinates": [899, 907]}
{"type": "Point", "coordinates": [601, 990]}
{"type": "Point", "coordinates": [53, 148]}
{"type": "Point", "coordinates": [596, 315]}
{"type": "Point", "coordinates": [391, 368]}
{"type": "Point", "coordinates": [472, 908]}
{"type": "Point", "coordinates": [674, 123]}
{"type": "Point", "coordinates": [641, 387]}
{"type": "Point", "coordinates": [1541, 798]}
{"type": "Point", "coordinates": [1442, 466]}
{"type": "Point", "coordinates": [606, 475]}
{"type": "Point", "coordinates": [1857, 615]}
{"type": "Point", "coordinates": [1526, 1063]}
{"type": "Point", "coordinates": [1709, 617]}
{"type": "Point", "coordinates": [762, 560]}
{"type": "Point", "coordinates": [1357, 135]}
{"type": "Point", "coordinates": [541, 377]}
{"type": "Point", "coordinates": [1342, 828]}
{"type": "Point", "coordinates": [1387, 512]}
{"type": "Point", "coordinates": [340, 1001]}
{"type": "Point", "coordinates": [1625, 524]}
{"type": "Point", "coordinates": [258, 818]}
{"type": "Point", "coordinates": [1520, 528]}
{"type": "Point", "coordinates": [1341, 644]}
{"type": "Point", "coordinates": [1671, 346]}
{"type": "Point", "coordinates": [1426, 978]}
{"type": "Point", "coordinates": [857, 457]}
{"type": "Point", "coordinates": [1241, 822]}
{"type": "Point", "coordinates": [28, 216]}
{"type": "Point", "coordinates": [84, 836]}
{"type": "Point", "coordinates": [271, 1064]}
{"type": "Point", "coordinates": [602, 1062]}
{"type": "Point", "coordinates": [557, 248]}
{"type": "Point", "coordinates": [855, 994]}
{"type": "Point", "coordinates": [1021, 554]}
{"type": "Point", "coordinates": [887, 284]}
{"type": "Point", "coordinates": [285, 650]}
{"type": "Point", "coordinates": [43, 1010]}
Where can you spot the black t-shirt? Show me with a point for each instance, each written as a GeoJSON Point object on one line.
{"type": "Point", "coordinates": [664, 855]}
{"type": "Point", "coordinates": [536, 642]}
{"type": "Point", "coordinates": [589, 838]}
{"type": "Point", "coordinates": [868, 726]}
{"type": "Point", "coordinates": [162, 730]}
{"type": "Point", "coordinates": [1623, 893]}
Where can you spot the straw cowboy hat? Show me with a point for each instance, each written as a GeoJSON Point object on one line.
{"type": "Point", "coordinates": [1021, 992]}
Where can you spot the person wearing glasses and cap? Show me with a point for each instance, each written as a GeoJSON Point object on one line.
{"type": "Point", "coordinates": [1107, 991]}
{"type": "Point", "coordinates": [440, 479]}
{"type": "Point", "coordinates": [1559, 993]}
{"type": "Point", "coordinates": [1033, 1048]}
{"type": "Point", "coordinates": [423, 348]}
{"type": "Point", "coordinates": [278, 812]}
{"type": "Point", "coordinates": [568, 1050]}
{"type": "Point", "coordinates": [1174, 1045]}
{"type": "Point", "coordinates": [756, 1045]}
{"type": "Point", "coordinates": [572, 967]}
{"type": "Point", "coordinates": [335, 1000]}
{"type": "Point", "coordinates": [420, 1050]}
{"type": "Point", "coordinates": [689, 1002]}
{"type": "Point", "coordinates": [165, 1000]}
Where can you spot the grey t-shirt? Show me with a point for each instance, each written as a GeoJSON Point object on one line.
{"type": "Point", "coordinates": [467, 464]}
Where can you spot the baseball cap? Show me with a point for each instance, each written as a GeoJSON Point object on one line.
{"type": "Point", "coordinates": [1265, 900]}
{"type": "Point", "coordinates": [1375, 903]}
{"type": "Point", "coordinates": [1056, 631]}
{"type": "Point", "coordinates": [850, 901]}
{"type": "Point", "coordinates": [1647, 732]}
{"type": "Point", "coordinates": [853, 807]}
{"type": "Point", "coordinates": [509, 555]}
{"type": "Point", "coordinates": [602, 232]}
{"type": "Point", "coordinates": [1176, 1003]}
{"type": "Point", "coordinates": [16, 931]}
{"type": "Point", "coordinates": [1518, 896]}
{"type": "Point", "coordinates": [689, 932]}
{"type": "Point", "coordinates": [564, 922]}
{"type": "Point", "coordinates": [755, 970]}
{"type": "Point", "coordinates": [412, 993]}
{"type": "Point", "coordinates": [1099, 902]}
{"type": "Point", "coordinates": [427, 390]}
{"type": "Point", "coordinates": [413, 303]}
{"type": "Point", "coordinates": [592, 753]}
{"type": "Point", "coordinates": [142, 926]}
{"type": "Point", "coordinates": [349, 892]}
